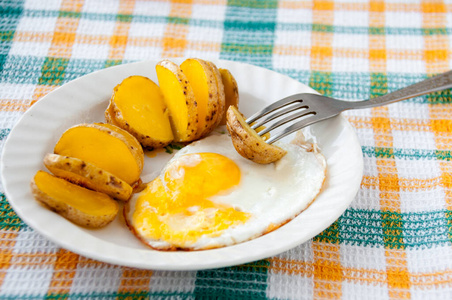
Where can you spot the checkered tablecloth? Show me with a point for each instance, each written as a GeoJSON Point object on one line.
{"type": "Point", "coordinates": [393, 242]}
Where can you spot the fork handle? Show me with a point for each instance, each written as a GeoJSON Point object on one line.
{"type": "Point", "coordinates": [430, 85]}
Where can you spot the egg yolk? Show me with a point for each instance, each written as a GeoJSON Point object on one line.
{"type": "Point", "coordinates": [176, 208]}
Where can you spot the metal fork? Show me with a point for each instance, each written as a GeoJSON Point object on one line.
{"type": "Point", "coordinates": [313, 108]}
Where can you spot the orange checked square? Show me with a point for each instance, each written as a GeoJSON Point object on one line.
{"type": "Point", "coordinates": [323, 5]}
{"type": "Point", "coordinates": [433, 7]}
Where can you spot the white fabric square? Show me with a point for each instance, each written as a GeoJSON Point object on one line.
{"type": "Point", "coordinates": [346, 64]}
{"type": "Point", "coordinates": [96, 279]}
{"type": "Point", "coordinates": [302, 252]}
{"type": "Point", "coordinates": [152, 8]}
{"type": "Point", "coordinates": [416, 201]}
{"type": "Point", "coordinates": [361, 113]}
{"type": "Point", "coordinates": [298, 16]}
{"type": "Point", "coordinates": [448, 20]}
{"type": "Point", "coordinates": [351, 41]}
{"type": "Point", "coordinates": [42, 4]}
{"type": "Point", "coordinates": [13, 91]}
{"type": "Point", "coordinates": [300, 38]}
{"type": "Point", "coordinates": [150, 30]}
{"type": "Point", "coordinates": [87, 51]}
{"type": "Point", "coordinates": [354, 1]}
{"type": "Point", "coordinates": [403, 19]}
{"type": "Point", "coordinates": [365, 136]}
{"type": "Point", "coordinates": [422, 140]}
{"type": "Point", "coordinates": [101, 7]}
{"type": "Point", "coordinates": [286, 286]}
{"type": "Point", "coordinates": [9, 117]}
{"type": "Point", "coordinates": [351, 18]}
{"type": "Point", "coordinates": [406, 42]}
{"type": "Point", "coordinates": [370, 165]}
{"type": "Point", "coordinates": [418, 112]}
{"type": "Point", "coordinates": [419, 292]}
{"type": "Point", "coordinates": [400, 1]}
{"type": "Point", "coordinates": [25, 280]}
{"type": "Point", "coordinates": [29, 49]}
{"type": "Point", "coordinates": [208, 12]}
{"type": "Point", "coordinates": [428, 260]}
{"type": "Point", "coordinates": [27, 241]}
{"type": "Point", "coordinates": [172, 281]}
{"type": "Point", "coordinates": [95, 27]}
{"type": "Point", "coordinates": [418, 169]}
{"type": "Point", "coordinates": [133, 53]}
{"type": "Point", "coordinates": [359, 257]}
{"type": "Point", "coordinates": [367, 198]}
{"type": "Point", "coordinates": [206, 34]}
{"type": "Point", "coordinates": [405, 66]}
{"type": "Point", "coordinates": [291, 61]}
{"type": "Point", "coordinates": [356, 290]}
{"type": "Point", "coordinates": [29, 24]}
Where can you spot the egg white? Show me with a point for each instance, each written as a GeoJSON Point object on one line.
{"type": "Point", "coordinates": [274, 193]}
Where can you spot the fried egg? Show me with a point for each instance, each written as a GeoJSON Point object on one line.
{"type": "Point", "coordinates": [208, 196]}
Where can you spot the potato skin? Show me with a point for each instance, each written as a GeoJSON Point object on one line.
{"type": "Point", "coordinates": [110, 115]}
{"type": "Point", "coordinates": [87, 175]}
{"type": "Point", "coordinates": [221, 102]}
{"type": "Point", "coordinates": [72, 214]}
{"type": "Point", "coordinates": [246, 141]}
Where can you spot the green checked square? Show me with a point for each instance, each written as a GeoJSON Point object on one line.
{"type": "Point", "coordinates": [249, 32]}
{"type": "Point", "coordinates": [10, 14]}
{"type": "Point", "coordinates": [247, 281]}
{"type": "Point", "coordinates": [53, 71]}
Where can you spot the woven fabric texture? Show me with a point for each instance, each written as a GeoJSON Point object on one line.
{"type": "Point", "coordinates": [393, 242]}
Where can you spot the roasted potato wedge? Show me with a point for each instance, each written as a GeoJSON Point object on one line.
{"type": "Point", "coordinates": [231, 91]}
{"type": "Point", "coordinates": [180, 100]}
{"type": "Point", "coordinates": [137, 106]}
{"type": "Point", "coordinates": [247, 142]}
{"type": "Point", "coordinates": [82, 206]}
{"type": "Point", "coordinates": [87, 175]}
{"type": "Point", "coordinates": [202, 79]}
{"type": "Point", "coordinates": [221, 94]}
{"type": "Point", "coordinates": [103, 147]}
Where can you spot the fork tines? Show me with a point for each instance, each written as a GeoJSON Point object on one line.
{"type": "Point", "coordinates": [279, 109]}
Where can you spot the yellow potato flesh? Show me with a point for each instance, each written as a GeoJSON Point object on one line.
{"type": "Point", "coordinates": [100, 148]}
{"type": "Point", "coordinates": [173, 91]}
{"type": "Point", "coordinates": [140, 102]}
{"type": "Point", "coordinates": [130, 139]}
{"type": "Point", "coordinates": [199, 82]}
{"type": "Point", "coordinates": [84, 200]}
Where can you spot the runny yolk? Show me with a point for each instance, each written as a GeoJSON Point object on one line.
{"type": "Point", "coordinates": [176, 208]}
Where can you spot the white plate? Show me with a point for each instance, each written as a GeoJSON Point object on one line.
{"type": "Point", "coordinates": [85, 99]}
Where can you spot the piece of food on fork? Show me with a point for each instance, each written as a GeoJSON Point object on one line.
{"type": "Point", "coordinates": [247, 142]}
{"type": "Point", "coordinates": [306, 109]}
